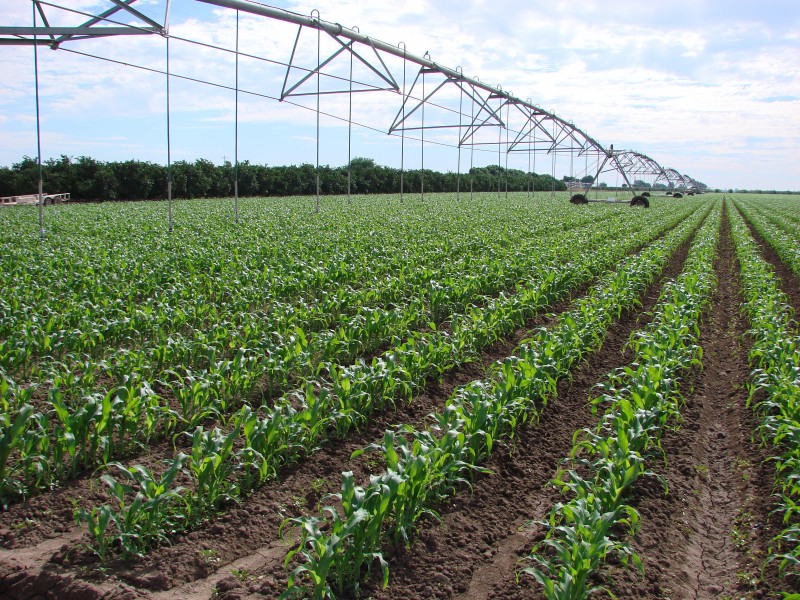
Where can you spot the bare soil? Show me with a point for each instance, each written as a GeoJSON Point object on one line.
{"type": "Point", "coordinates": [708, 537]}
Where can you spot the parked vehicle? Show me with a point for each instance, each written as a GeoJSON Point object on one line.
{"type": "Point", "coordinates": [33, 199]}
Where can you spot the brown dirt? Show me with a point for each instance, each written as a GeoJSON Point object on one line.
{"type": "Point", "coordinates": [708, 537]}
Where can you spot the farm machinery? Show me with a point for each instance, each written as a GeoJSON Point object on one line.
{"type": "Point", "coordinates": [33, 199]}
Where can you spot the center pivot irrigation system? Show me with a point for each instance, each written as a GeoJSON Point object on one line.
{"type": "Point", "coordinates": [462, 112]}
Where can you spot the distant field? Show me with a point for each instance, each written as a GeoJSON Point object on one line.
{"type": "Point", "coordinates": [177, 409]}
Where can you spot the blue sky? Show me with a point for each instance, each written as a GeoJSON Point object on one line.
{"type": "Point", "coordinates": [710, 88]}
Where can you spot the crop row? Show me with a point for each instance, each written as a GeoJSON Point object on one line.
{"type": "Point", "coordinates": [785, 206]}
{"type": "Point", "coordinates": [779, 232]}
{"type": "Point", "coordinates": [774, 382]}
{"type": "Point", "coordinates": [50, 446]}
{"type": "Point", "coordinates": [338, 549]}
{"type": "Point", "coordinates": [296, 424]}
{"type": "Point", "coordinates": [641, 401]}
{"type": "Point", "coordinates": [194, 396]}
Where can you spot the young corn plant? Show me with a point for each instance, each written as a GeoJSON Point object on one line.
{"type": "Point", "coordinates": [11, 436]}
{"type": "Point", "coordinates": [269, 443]}
{"type": "Point", "coordinates": [411, 478]}
{"type": "Point", "coordinates": [83, 434]}
{"type": "Point", "coordinates": [584, 542]}
{"type": "Point", "coordinates": [145, 510]}
{"type": "Point", "coordinates": [212, 464]}
{"type": "Point", "coordinates": [339, 551]}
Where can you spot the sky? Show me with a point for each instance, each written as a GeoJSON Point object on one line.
{"type": "Point", "coordinates": [710, 88]}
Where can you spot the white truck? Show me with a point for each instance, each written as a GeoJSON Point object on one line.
{"type": "Point", "coordinates": [33, 199]}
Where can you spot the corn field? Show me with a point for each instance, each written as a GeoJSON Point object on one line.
{"type": "Point", "coordinates": [472, 396]}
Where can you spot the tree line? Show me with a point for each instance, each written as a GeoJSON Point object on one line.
{"type": "Point", "coordinates": [88, 179]}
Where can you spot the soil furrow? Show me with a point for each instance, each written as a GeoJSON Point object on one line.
{"type": "Point", "coordinates": [708, 536]}
{"type": "Point", "coordinates": [789, 282]}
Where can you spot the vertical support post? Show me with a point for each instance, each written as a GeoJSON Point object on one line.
{"type": "Point", "coordinates": [530, 176]}
{"type": "Point", "coordinates": [530, 173]}
{"type": "Point", "coordinates": [553, 150]}
{"type": "Point", "coordinates": [586, 170]}
{"type": "Point", "coordinates": [319, 66]}
{"type": "Point", "coordinates": [472, 145]}
{"type": "Point", "coordinates": [236, 134]}
{"type": "Point", "coordinates": [460, 110]}
{"type": "Point", "coordinates": [499, 145]}
{"type": "Point", "coordinates": [350, 125]}
{"type": "Point", "coordinates": [508, 126]}
{"type": "Point", "coordinates": [169, 149]}
{"type": "Point", "coordinates": [533, 169]}
{"type": "Point", "coordinates": [403, 128]}
{"type": "Point", "coordinates": [38, 126]}
{"type": "Point", "coordinates": [571, 166]}
{"type": "Point", "coordinates": [422, 145]}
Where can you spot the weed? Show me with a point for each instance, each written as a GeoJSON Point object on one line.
{"type": "Point", "coordinates": [702, 471]}
{"type": "Point", "coordinates": [210, 555]}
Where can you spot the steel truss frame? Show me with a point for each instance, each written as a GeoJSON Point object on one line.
{"type": "Point", "coordinates": [535, 131]}
{"type": "Point", "coordinates": [93, 27]}
{"type": "Point", "coordinates": [540, 131]}
{"type": "Point", "coordinates": [673, 179]}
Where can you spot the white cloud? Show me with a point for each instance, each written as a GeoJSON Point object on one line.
{"type": "Point", "coordinates": [688, 83]}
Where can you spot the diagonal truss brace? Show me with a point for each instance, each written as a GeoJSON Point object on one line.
{"type": "Point", "coordinates": [485, 116]}
{"type": "Point", "coordinates": [383, 73]}
{"type": "Point", "coordinates": [48, 35]}
{"type": "Point", "coordinates": [485, 111]}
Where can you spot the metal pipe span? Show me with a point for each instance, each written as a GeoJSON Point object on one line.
{"type": "Point", "coordinates": [336, 29]}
